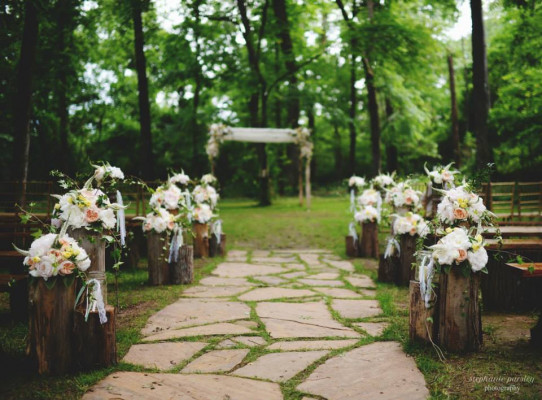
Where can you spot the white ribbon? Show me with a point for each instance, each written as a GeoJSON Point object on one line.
{"type": "Point", "coordinates": [175, 245]}
{"type": "Point", "coordinates": [392, 244]}
{"type": "Point", "coordinates": [216, 228]}
{"type": "Point", "coordinates": [121, 220]}
{"type": "Point", "coordinates": [429, 204]}
{"type": "Point", "coordinates": [426, 271]}
{"type": "Point", "coordinates": [352, 232]}
{"type": "Point", "coordinates": [352, 201]}
{"type": "Point", "coordinates": [96, 302]}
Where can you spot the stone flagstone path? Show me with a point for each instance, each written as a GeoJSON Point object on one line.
{"type": "Point", "coordinates": [264, 321]}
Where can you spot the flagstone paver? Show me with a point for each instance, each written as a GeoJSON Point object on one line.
{"type": "Point", "coordinates": [271, 293]}
{"type": "Point", "coordinates": [241, 270]}
{"type": "Point", "coordinates": [279, 367]}
{"type": "Point", "coordinates": [143, 386]}
{"type": "Point", "coordinates": [296, 320]}
{"type": "Point", "coordinates": [292, 310]}
{"type": "Point", "coordinates": [312, 344]}
{"type": "Point", "coordinates": [356, 308]}
{"type": "Point", "coordinates": [376, 371]}
{"type": "Point", "coordinates": [372, 328]}
{"type": "Point", "coordinates": [162, 356]}
{"type": "Point", "coordinates": [203, 330]}
{"type": "Point", "coordinates": [216, 361]}
{"type": "Point", "coordinates": [190, 312]}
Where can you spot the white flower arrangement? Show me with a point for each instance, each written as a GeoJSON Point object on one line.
{"type": "Point", "coordinates": [356, 182]}
{"type": "Point", "coordinates": [460, 205]}
{"type": "Point", "coordinates": [202, 213]}
{"type": "Point", "coordinates": [370, 197]}
{"type": "Point", "coordinates": [205, 194]}
{"type": "Point", "coordinates": [168, 196]}
{"type": "Point", "coordinates": [367, 214]}
{"type": "Point", "coordinates": [410, 224]}
{"type": "Point", "coordinates": [159, 220]}
{"type": "Point", "coordinates": [302, 139]}
{"type": "Point", "coordinates": [458, 247]}
{"type": "Point", "coordinates": [105, 171]}
{"type": "Point", "coordinates": [383, 181]}
{"type": "Point", "coordinates": [181, 178]}
{"type": "Point", "coordinates": [55, 255]}
{"type": "Point", "coordinates": [86, 208]}
{"type": "Point", "coordinates": [208, 179]}
{"type": "Point", "coordinates": [217, 132]}
{"type": "Point", "coordinates": [403, 196]}
{"type": "Point", "coordinates": [442, 175]}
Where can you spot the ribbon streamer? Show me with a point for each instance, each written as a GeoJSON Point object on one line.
{"type": "Point", "coordinates": [352, 201]}
{"type": "Point", "coordinates": [392, 244]}
{"type": "Point", "coordinates": [217, 230]}
{"type": "Point", "coordinates": [426, 272]}
{"type": "Point", "coordinates": [96, 301]}
{"type": "Point", "coordinates": [121, 220]}
{"type": "Point", "coordinates": [176, 243]}
{"type": "Point", "coordinates": [352, 232]}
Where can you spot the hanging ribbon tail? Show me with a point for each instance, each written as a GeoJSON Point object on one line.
{"type": "Point", "coordinates": [392, 246]}
{"type": "Point", "coordinates": [188, 199]}
{"type": "Point", "coordinates": [352, 232]}
{"type": "Point", "coordinates": [96, 301]}
{"type": "Point", "coordinates": [217, 230]}
{"type": "Point", "coordinates": [352, 201]}
{"type": "Point", "coordinates": [174, 247]}
{"type": "Point", "coordinates": [426, 272]}
{"type": "Point", "coordinates": [121, 220]}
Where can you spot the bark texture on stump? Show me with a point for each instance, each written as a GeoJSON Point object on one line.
{"type": "Point", "coordinates": [182, 271]}
{"type": "Point", "coordinates": [351, 246]}
{"type": "Point", "coordinates": [460, 320]}
{"type": "Point", "coordinates": [420, 328]}
{"type": "Point", "coordinates": [157, 254]}
{"type": "Point", "coordinates": [95, 345]}
{"type": "Point", "coordinates": [94, 246]}
{"type": "Point", "coordinates": [388, 269]}
{"type": "Point", "coordinates": [217, 249]}
{"type": "Point", "coordinates": [368, 246]}
{"type": "Point", "coordinates": [536, 334]}
{"type": "Point", "coordinates": [50, 327]}
{"type": "Point", "coordinates": [201, 240]}
{"type": "Point", "coordinates": [407, 259]}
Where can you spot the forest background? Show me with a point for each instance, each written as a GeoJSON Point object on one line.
{"type": "Point", "coordinates": [122, 82]}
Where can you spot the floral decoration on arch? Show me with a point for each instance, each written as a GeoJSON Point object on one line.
{"type": "Point", "coordinates": [217, 133]}
{"type": "Point", "coordinates": [302, 139]}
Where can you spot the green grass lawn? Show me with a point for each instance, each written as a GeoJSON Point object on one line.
{"type": "Point", "coordinates": [283, 225]}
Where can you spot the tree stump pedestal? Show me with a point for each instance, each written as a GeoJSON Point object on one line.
{"type": "Point", "coordinates": [201, 240]}
{"type": "Point", "coordinates": [351, 247]}
{"type": "Point", "coordinates": [182, 270]}
{"type": "Point", "coordinates": [406, 260]}
{"type": "Point", "coordinates": [94, 246]}
{"type": "Point", "coordinates": [157, 255]}
{"type": "Point", "coordinates": [460, 319]}
{"type": "Point", "coordinates": [388, 269]}
{"type": "Point", "coordinates": [423, 322]}
{"type": "Point", "coordinates": [368, 245]}
{"type": "Point", "coordinates": [217, 249]}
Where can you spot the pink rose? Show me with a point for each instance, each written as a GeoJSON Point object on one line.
{"type": "Point", "coordinates": [92, 214]}
{"type": "Point", "coordinates": [460, 213]}
{"type": "Point", "coordinates": [66, 268]}
{"type": "Point", "coordinates": [462, 256]}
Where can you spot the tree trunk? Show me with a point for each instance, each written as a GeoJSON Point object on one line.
{"type": "Point", "coordinates": [201, 240]}
{"type": "Point", "coordinates": [50, 327]}
{"type": "Point", "coordinates": [351, 247]}
{"type": "Point", "coordinates": [392, 161]}
{"type": "Point", "coordinates": [338, 151]}
{"type": "Point", "coordinates": [455, 122]}
{"type": "Point", "coordinates": [147, 161]}
{"type": "Point", "coordinates": [182, 270]}
{"type": "Point", "coordinates": [423, 322]}
{"type": "Point", "coordinates": [388, 269]}
{"type": "Point", "coordinates": [217, 249]}
{"type": "Point", "coordinates": [23, 98]}
{"type": "Point", "coordinates": [157, 248]}
{"type": "Point", "coordinates": [373, 116]}
{"type": "Point", "coordinates": [95, 345]}
{"type": "Point", "coordinates": [352, 110]}
{"type": "Point", "coordinates": [480, 85]}
{"type": "Point", "coordinates": [407, 258]}
{"type": "Point", "coordinates": [369, 240]}
{"type": "Point", "coordinates": [198, 84]}
{"type": "Point", "coordinates": [460, 320]}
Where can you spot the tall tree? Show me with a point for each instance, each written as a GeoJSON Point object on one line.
{"type": "Point", "coordinates": [147, 161]}
{"type": "Point", "coordinates": [454, 117]}
{"type": "Point", "coordinates": [480, 91]}
{"type": "Point", "coordinates": [23, 96]}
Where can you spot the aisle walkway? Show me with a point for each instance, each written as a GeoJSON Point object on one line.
{"type": "Point", "coordinates": [265, 327]}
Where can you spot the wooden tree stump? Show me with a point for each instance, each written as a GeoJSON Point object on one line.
{"type": "Point", "coordinates": [388, 269]}
{"type": "Point", "coordinates": [421, 328]}
{"type": "Point", "coordinates": [368, 245]}
{"type": "Point", "coordinates": [216, 249]}
{"type": "Point", "coordinates": [460, 319]}
{"type": "Point", "coordinates": [406, 259]}
{"type": "Point", "coordinates": [157, 255]}
{"type": "Point", "coordinates": [50, 337]}
{"type": "Point", "coordinates": [94, 246]}
{"type": "Point", "coordinates": [201, 240]}
{"type": "Point", "coordinates": [182, 271]}
{"type": "Point", "coordinates": [95, 345]}
{"type": "Point", "coordinates": [351, 247]}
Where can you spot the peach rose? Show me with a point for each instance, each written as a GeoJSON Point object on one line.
{"type": "Point", "coordinates": [171, 225]}
{"type": "Point", "coordinates": [460, 213]}
{"type": "Point", "coordinates": [92, 214]}
{"type": "Point", "coordinates": [462, 255]}
{"type": "Point", "coordinates": [147, 226]}
{"type": "Point", "coordinates": [408, 200]}
{"type": "Point", "coordinates": [66, 268]}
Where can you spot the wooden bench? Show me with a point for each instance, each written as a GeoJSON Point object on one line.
{"type": "Point", "coordinates": [511, 231]}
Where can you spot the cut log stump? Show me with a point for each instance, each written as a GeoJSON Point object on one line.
{"type": "Point", "coordinates": [182, 271]}
{"type": "Point", "coordinates": [50, 339]}
{"type": "Point", "coordinates": [407, 259]}
{"type": "Point", "coordinates": [368, 245]}
{"type": "Point", "coordinates": [460, 319]}
{"type": "Point", "coordinates": [423, 322]}
{"type": "Point", "coordinates": [157, 254]}
{"type": "Point", "coordinates": [388, 269]}
{"type": "Point", "coordinates": [201, 240]}
{"type": "Point", "coordinates": [94, 246]}
{"type": "Point", "coordinates": [351, 247]}
{"type": "Point", "coordinates": [217, 249]}
{"type": "Point", "coordinates": [95, 345]}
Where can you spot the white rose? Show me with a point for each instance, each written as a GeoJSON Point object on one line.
{"type": "Point", "coordinates": [436, 177]}
{"type": "Point", "coordinates": [116, 172]}
{"type": "Point", "coordinates": [41, 246]}
{"type": "Point", "coordinates": [108, 218]}
{"type": "Point", "coordinates": [74, 217]}
{"type": "Point", "coordinates": [203, 213]}
{"type": "Point", "coordinates": [44, 268]}
{"type": "Point", "coordinates": [478, 259]}
{"type": "Point", "coordinates": [458, 238]}
{"type": "Point", "coordinates": [99, 173]}
{"type": "Point", "coordinates": [445, 210]}
{"type": "Point", "coordinates": [208, 179]}
{"type": "Point", "coordinates": [422, 228]}
{"type": "Point", "coordinates": [445, 254]}
{"type": "Point", "coordinates": [181, 178]}
{"type": "Point", "coordinates": [172, 197]}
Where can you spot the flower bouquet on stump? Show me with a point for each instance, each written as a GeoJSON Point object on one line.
{"type": "Point", "coordinates": [440, 178]}
{"type": "Point", "coordinates": [408, 229]}
{"type": "Point", "coordinates": [355, 184]}
{"type": "Point", "coordinates": [206, 198]}
{"type": "Point", "coordinates": [368, 216]}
